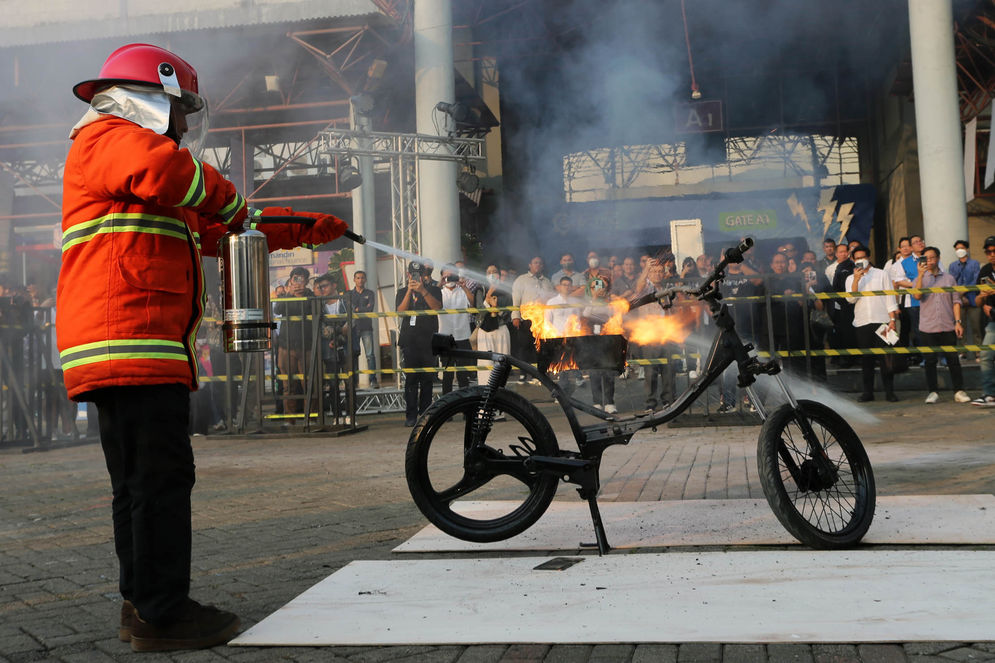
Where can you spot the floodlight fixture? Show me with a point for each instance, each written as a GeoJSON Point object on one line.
{"type": "Point", "coordinates": [467, 180]}
{"type": "Point", "coordinates": [458, 111]}
{"type": "Point", "coordinates": [349, 176]}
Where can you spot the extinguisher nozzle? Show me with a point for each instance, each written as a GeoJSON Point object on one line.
{"type": "Point", "coordinates": [359, 239]}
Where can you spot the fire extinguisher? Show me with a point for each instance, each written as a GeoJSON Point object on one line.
{"type": "Point", "coordinates": [243, 262]}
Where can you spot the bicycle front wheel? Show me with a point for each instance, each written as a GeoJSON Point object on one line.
{"type": "Point", "coordinates": [825, 505]}
{"type": "Point", "coordinates": [460, 455]}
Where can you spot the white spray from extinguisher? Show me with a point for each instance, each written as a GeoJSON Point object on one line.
{"type": "Point", "coordinates": [471, 274]}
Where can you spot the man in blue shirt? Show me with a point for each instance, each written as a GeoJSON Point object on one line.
{"type": "Point", "coordinates": [911, 266]}
{"type": "Point", "coordinates": [965, 271]}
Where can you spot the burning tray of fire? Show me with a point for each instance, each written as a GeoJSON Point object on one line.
{"type": "Point", "coordinates": [606, 352]}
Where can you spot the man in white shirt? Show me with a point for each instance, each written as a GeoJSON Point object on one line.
{"type": "Point", "coordinates": [869, 314]}
{"type": "Point", "coordinates": [842, 255]}
{"type": "Point", "coordinates": [559, 319]}
{"type": "Point", "coordinates": [456, 294]}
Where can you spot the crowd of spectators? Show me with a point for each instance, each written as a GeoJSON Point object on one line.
{"type": "Point", "coordinates": [763, 293]}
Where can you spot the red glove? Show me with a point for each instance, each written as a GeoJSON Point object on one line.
{"type": "Point", "coordinates": [328, 227]}
{"type": "Point", "coordinates": [280, 211]}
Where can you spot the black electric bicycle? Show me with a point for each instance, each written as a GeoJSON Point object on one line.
{"type": "Point", "coordinates": [813, 468]}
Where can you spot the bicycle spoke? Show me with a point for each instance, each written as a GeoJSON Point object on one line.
{"type": "Point", "coordinates": [828, 509]}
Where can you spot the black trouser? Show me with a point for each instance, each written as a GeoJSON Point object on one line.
{"type": "Point", "coordinates": [462, 377]}
{"type": "Point", "coordinates": [868, 339]}
{"type": "Point", "coordinates": [417, 386]}
{"type": "Point", "coordinates": [659, 377]}
{"type": "Point", "coordinates": [523, 344]}
{"type": "Point", "coordinates": [603, 387]}
{"type": "Point", "coordinates": [143, 431]}
{"type": "Point", "coordinates": [953, 361]}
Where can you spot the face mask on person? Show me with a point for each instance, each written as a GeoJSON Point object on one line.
{"type": "Point", "coordinates": [593, 262]}
{"type": "Point", "coordinates": [567, 264]}
{"type": "Point", "coordinates": [493, 278]}
{"type": "Point", "coordinates": [961, 253]}
{"type": "Point", "coordinates": [863, 263]}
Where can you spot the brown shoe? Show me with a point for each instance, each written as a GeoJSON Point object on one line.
{"type": "Point", "coordinates": [127, 621]}
{"type": "Point", "coordinates": [198, 627]}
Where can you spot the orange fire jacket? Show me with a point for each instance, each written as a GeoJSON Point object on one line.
{"type": "Point", "coordinates": [137, 215]}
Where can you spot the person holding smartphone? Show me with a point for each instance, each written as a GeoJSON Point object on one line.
{"type": "Point", "coordinates": [939, 322]}
{"type": "Point", "coordinates": [869, 313]}
{"type": "Point", "coordinates": [415, 338]}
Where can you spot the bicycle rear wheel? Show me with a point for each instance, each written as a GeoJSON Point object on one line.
{"type": "Point", "coordinates": [458, 455]}
{"type": "Point", "coordinates": [825, 511]}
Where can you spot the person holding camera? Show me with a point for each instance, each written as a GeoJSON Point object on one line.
{"type": "Point", "coordinates": [869, 314]}
{"type": "Point", "coordinates": [939, 322]}
{"type": "Point", "coordinates": [293, 344]}
{"type": "Point", "coordinates": [415, 338]}
{"type": "Point", "coordinates": [456, 294]}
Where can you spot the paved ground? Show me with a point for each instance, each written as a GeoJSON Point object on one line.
{"type": "Point", "coordinates": [274, 516]}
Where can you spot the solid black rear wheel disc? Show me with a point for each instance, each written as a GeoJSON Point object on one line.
{"type": "Point", "coordinates": [448, 477]}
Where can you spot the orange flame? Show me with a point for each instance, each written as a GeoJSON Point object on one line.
{"type": "Point", "coordinates": [614, 325]}
{"type": "Point", "coordinates": [563, 364]}
{"type": "Point", "coordinates": [541, 328]}
{"type": "Point", "coordinates": [659, 329]}
{"type": "Point", "coordinates": [674, 327]}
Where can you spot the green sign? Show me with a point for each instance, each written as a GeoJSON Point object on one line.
{"type": "Point", "coordinates": [748, 221]}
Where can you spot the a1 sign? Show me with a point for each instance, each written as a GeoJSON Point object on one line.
{"type": "Point", "coordinates": [698, 117]}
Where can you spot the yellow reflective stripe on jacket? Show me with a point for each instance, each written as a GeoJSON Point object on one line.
{"type": "Point", "coordinates": [229, 211]}
{"type": "Point", "coordinates": [196, 193]}
{"type": "Point", "coordinates": [123, 222]}
{"type": "Point", "coordinates": [141, 348]}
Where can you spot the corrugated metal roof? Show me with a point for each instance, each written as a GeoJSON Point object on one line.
{"type": "Point", "coordinates": [29, 22]}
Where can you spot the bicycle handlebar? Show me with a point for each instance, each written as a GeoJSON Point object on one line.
{"type": "Point", "coordinates": [732, 255]}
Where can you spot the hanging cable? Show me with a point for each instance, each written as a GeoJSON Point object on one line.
{"type": "Point", "coordinates": [695, 92]}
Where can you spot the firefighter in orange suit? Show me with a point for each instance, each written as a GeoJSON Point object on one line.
{"type": "Point", "coordinates": [139, 211]}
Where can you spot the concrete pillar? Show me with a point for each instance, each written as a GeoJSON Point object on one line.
{"type": "Point", "coordinates": [364, 222]}
{"type": "Point", "coordinates": [938, 130]}
{"type": "Point", "coordinates": [438, 202]}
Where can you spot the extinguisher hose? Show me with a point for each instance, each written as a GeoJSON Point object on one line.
{"type": "Point", "coordinates": [307, 221]}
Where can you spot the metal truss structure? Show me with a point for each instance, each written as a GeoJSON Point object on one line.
{"type": "Point", "coordinates": [402, 152]}
{"type": "Point", "coordinates": [593, 174]}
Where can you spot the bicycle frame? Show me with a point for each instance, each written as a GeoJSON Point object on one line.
{"type": "Point", "coordinates": [582, 467]}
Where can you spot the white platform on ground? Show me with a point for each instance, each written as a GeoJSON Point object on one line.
{"type": "Point", "coordinates": [899, 519]}
{"type": "Point", "coordinates": [739, 596]}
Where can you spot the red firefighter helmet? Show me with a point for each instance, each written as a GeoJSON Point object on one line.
{"type": "Point", "coordinates": [144, 64]}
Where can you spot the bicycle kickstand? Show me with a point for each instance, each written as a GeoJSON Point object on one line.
{"type": "Point", "coordinates": [599, 526]}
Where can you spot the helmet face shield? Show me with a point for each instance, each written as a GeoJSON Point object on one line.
{"type": "Point", "coordinates": [197, 126]}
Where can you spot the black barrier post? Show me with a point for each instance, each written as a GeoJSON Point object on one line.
{"type": "Point", "coordinates": [229, 385]}
{"type": "Point", "coordinates": [350, 362]}
{"type": "Point", "coordinates": [808, 336]}
{"type": "Point", "coordinates": [770, 318]}
{"type": "Point", "coordinates": [318, 374]}
{"type": "Point", "coordinates": [309, 376]}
